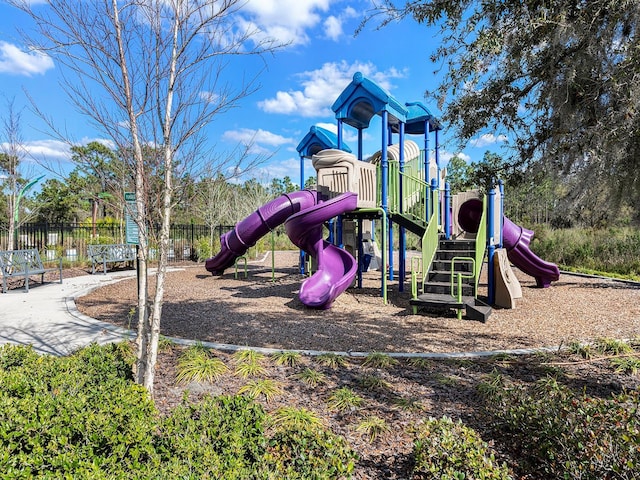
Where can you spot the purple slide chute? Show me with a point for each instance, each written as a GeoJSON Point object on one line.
{"type": "Point", "coordinates": [516, 240]}
{"type": "Point", "coordinates": [245, 234]}
{"type": "Point", "coordinates": [336, 267]}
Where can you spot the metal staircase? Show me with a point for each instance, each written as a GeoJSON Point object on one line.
{"type": "Point", "coordinates": [451, 281]}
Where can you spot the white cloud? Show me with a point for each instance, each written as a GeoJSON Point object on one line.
{"type": "Point", "coordinates": [446, 156]}
{"type": "Point", "coordinates": [209, 97]}
{"type": "Point", "coordinates": [261, 137]}
{"type": "Point", "coordinates": [321, 87]}
{"type": "Point", "coordinates": [333, 27]}
{"type": "Point", "coordinates": [284, 20]}
{"type": "Point", "coordinates": [17, 62]}
{"type": "Point", "coordinates": [487, 139]}
{"type": "Point", "coordinates": [49, 149]}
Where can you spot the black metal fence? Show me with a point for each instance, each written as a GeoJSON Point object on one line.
{"type": "Point", "coordinates": [70, 240]}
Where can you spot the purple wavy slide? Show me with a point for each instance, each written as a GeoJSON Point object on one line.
{"type": "Point", "coordinates": [304, 216]}
{"type": "Point", "coordinates": [516, 240]}
{"type": "Point", "coordinates": [245, 234]}
{"type": "Point", "coordinates": [336, 267]}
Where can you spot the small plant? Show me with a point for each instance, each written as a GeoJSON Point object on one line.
{"type": "Point", "coordinates": [419, 362]}
{"type": "Point", "coordinates": [311, 377]}
{"type": "Point", "coordinates": [491, 384]}
{"type": "Point", "coordinates": [408, 403]}
{"type": "Point", "coordinates": [379, 360]}
{"type": "Point", "coordinates": [628, 365]}
{"type": "Point", "coordinates": [446, 380]}
{"type": "Point", "coordinates": [267, 387]}
{"type": "Point", "coordinates": [583, 350]}
{"type": "Point", "coordinates": [373, 427]}
{"type": "Point", "coordinates": [249, 363]}
{"type": "Point", "coordinates": [164, 343]}
{"type": "Point", "coordinates": [295, 418]}
{"type": "Point", "coordinates": [344, 400]}
{"type": "Point", "coordinates": [196, 365]}
{"type": "Point", "coordinates": [612, 346]}
{"type": "Point", "coordinates": [287, 358]}
{"type": "Point", "coordinates": [373, 382]}
{"type": "Point", "coordinates": [331, 360]}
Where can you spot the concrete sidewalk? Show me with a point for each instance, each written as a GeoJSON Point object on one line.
{"type": "Point", "coordinates": [48, 319]}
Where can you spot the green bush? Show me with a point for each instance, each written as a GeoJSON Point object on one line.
{"type": "Point", "coordinates": [308, 453]}
{"type": "Point", "coordinates": [449, 450]}
{"type": "Point", "coordinates": [82, 416]}
{"type": "Point", "coordinates": [73, 417]}
{"type": "Point", "coordinates": [562, 434]}
{"type": "Point", "coordinates": [220, 437]}
{"type": "Point", "coordinates": [203, 249]}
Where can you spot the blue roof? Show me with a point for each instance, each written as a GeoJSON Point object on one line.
{"type": "Point", "coordinates": [417, 117]}
{"type": "Point", "coordinates": [318, 139]}
{"type": "Point", "coordinates": [362, 99]}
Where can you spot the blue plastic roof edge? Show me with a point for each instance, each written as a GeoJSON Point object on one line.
{"type": "Point", "coordinates": [362, 99]}
{"type": "Point", "coordinates": [317, 139]}
{"type": "Point", "coordinates": [417, 116]}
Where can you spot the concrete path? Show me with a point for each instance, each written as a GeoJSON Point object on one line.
{"type": "Point", "coordinates": [48, 319]}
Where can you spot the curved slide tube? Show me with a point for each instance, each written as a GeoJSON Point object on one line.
{"type": "Point", "coordinates": [516, 240]}
{"type": "Point", "coordinates": [336, 267]}
{"type": "Point", "coordinates": [245, 234]}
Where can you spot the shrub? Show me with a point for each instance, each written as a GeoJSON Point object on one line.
{"type": "Point", "coordinates": [379, 360]}
{"type": "Point", "coordinates": [220, 437]}
{"type": "Point", "coordinates": [73, 417]}
{"type": "Point", "coordinates": [203, 249]}
{"type": "Point", "coordinates": [198, 365]}
{"type": "Point", "coordinates": [308, 454]}
{"type": "Point", "coordinates": [449, 450]}
{"type": "Point", "coordinates": [566, 435]}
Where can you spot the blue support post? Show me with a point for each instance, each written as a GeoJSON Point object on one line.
{"type": "Point", "coordinates": [491, 248]}
{"type": "Point", "coordinates": [447, 210]}
{"type": "Point", "coordinates": [340, 133]}
{"type": "Point", "coordinates": [434, 205]}
{"type": "Point", "coordinates": [360, 144]}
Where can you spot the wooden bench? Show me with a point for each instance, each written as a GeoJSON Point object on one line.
{"type": "Point", "coordinates": [24, 263]}
{"type": "Point", "coordinates": [114, 253]}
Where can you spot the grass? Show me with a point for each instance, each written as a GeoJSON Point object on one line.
{"type": "Point", "coordinates": [249, 363]}
{"type": "Point", "coordinates": [265, 387]}
{"type": "Point", "coordinates": [311, 377]}
{"type": "Point", "coordinates": [373, 426]}
{"type": "Point", "coordinates": [331, 360]}
{"type": "Point", "coordinates": [379, 360]}
{"type": "Point", "coordinates": [287, 358]}
{"type": "Point", "coordinates": [295, 418]}
{"type": "Point", "coordinates": [344, 400]}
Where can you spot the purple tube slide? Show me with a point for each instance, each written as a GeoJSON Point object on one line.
{"type": "Point", "coordinates": [516, 240]}
{"type": "Point", "coordinates": [336, 267]}
{"type": "Point", "coordinates": [245, 234]}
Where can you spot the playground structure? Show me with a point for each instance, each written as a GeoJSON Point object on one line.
{"type": "Point", "coordinates": [401, 185]}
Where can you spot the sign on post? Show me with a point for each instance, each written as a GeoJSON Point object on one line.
{"type": "Point", "coordinates": [130, 226]}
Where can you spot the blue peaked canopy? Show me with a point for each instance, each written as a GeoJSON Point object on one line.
{"type": "Point", "coordinates": [318, 139]}
{"type": "Point", "coordinates": [362, 99]}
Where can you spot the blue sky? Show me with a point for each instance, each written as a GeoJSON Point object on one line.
{"type": "Point", "coordinates": [298, 88]}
